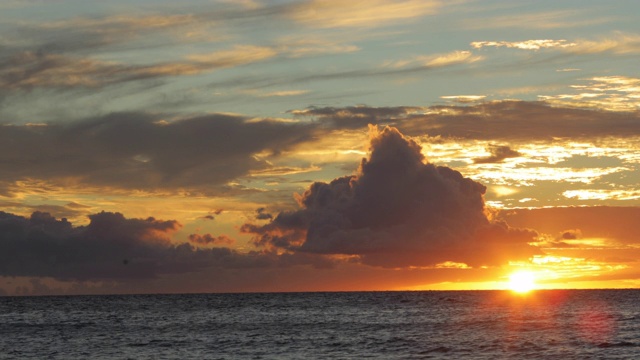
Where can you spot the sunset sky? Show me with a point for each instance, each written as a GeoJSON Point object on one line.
{"type": "Point", "coordinates": [232, 146]}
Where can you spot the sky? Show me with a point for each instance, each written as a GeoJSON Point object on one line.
{"type": "Point", "coordinates": [241, 146]}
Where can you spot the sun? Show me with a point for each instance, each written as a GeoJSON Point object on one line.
{"type": "Point", "coordinates": [522, 281]}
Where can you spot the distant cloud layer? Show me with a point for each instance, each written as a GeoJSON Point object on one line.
{"type": "Point", "coordinates": [492, 120]}
{"type": "Point", "coordinates": [397, 211]}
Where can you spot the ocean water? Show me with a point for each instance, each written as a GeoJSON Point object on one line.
{"type": "Point", "coordinates": [552, 324]}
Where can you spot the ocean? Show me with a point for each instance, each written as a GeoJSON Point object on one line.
{"type": "Point", "coordinates": [545, 324]}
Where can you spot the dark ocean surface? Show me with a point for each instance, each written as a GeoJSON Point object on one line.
{"type": "Point", "coordinates": [552, 324]}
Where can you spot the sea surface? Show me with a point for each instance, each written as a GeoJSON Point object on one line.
{"type": "Point", "coordinates": [550, 324]}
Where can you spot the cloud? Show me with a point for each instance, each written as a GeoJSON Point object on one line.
{"type": "Point", "coordinates": [536, 20]}
{"type": "Point", "coordinates": [464, 99]}
{"type": "Point", "coordinates": [614, 93]}
{"type": "Point", "coordinates": [619, 44]}
{"type": "Point", "coordinates": [284, 93]}
{"type": "Point", "coordinates": [261, 214]}
{"type": "Point", "coordinates": [145, 152]}
{"type": "Point", "coordinates": [602, 194]}
{"type": "Point", "coordinates": [305, 44]}
{"type": "Point", "coordinates": [525, 45]}
{"type": "Point", "coordinates": [498, 154]}
{"type": "Point", "coordinates": [438, 60]}
{"type": "Point", "coordinates": [119, 24]}
{"type": "Point", "coordinates": [397, 211]}
{"type": "Point", "coordinates": [239, 54]}
{"type": "Point", "coordinates": [437, 63]}
{"type": "Point", "coordinates": [617, 225]}
{"type": "Point", "coordinates": [114, 32]}
{"type": "Point", "coordinates": [373, 13]}
{"type": "Point", "coordinates": [505, 120]}
{"type": "Point", "coordinates": [355, 116]}
{"type": "Point", "coordinates": [113, 251]}
{"type": "Point", "coordinates": [28, 70]}
{"type": "Point", "coordinates": [572, 234]}
{"type": "Point", "coordinates": [269, 94]}
{"type": "Point", "coordinates": [110, 247]}
{"type": "Point", "coordinates": [208, 239]}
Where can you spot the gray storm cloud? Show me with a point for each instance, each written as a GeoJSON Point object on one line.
{"type": "Point", "coordinates": [397, 211]}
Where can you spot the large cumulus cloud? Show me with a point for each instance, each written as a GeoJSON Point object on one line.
{"type": "Point", "coordinates": [397, 211]}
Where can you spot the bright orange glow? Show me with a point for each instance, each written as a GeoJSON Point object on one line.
{"type": "Point", "coordinates": [522, 282]}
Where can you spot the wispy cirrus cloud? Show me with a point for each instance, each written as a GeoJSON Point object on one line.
{"type": "Point", "coordinates": [275, 93]}
{"type": "Point", "coordinates": [618, 43]}
{"type": "Point", "coordinates": [120, 23]}
{"type": "Point", "coordinates": [437, 60]}
{"type": "Point", "coordinates": [556, 19]}
{"type": "Point", "coordinates": [614, 93]}
{"type": "Point", "coordinates": [529, 176]}
{"type": "Point", "coordinates": [29, 70]}
{"type": "Point", "coordinates": [309, 45]}
{"type": "Point", "coordinates": [525, 45]}
{"type": "Point", "coordinates": [349, 14]}
{"type": "Point", "coordinates": [119, 32]}
{"type": "Point", "coordinates": [464, 99]}
{"type": "Point", "coordinates": [602, 194]}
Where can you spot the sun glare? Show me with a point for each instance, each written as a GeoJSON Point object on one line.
{"type": "Point", "coordinates": [522, 282]}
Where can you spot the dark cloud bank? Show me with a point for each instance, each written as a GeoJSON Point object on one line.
{"type": "Point", "coordinates": [398, 211]}
{"type": "Point", "coordinates": [141, 151]}
{"type": "Point", "coordinates": [110, 247]}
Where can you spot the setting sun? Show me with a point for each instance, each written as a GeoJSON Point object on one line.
{"type": "Point", "coordinates": [522, 281]}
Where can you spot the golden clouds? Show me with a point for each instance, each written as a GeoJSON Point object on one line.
{"type": "Point", "coordinates": [437, 60]}
{"type": "Point", "coordinates": [337, 13]}
{"type": "Point", "coordinates": [525, 45]}
{"type": "Point", "coordinates": [612, 93]}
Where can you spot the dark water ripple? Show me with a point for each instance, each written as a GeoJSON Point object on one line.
{"type": "Point", "coordinates": [567, 324]}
